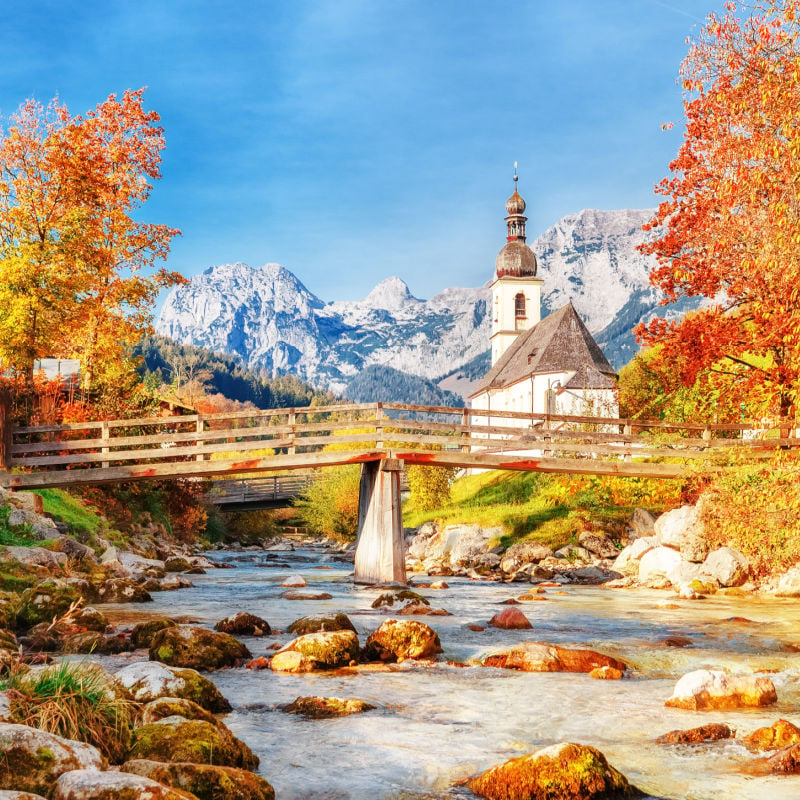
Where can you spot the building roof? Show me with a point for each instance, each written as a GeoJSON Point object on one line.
{"type": "Point", "coordinates": [559, 343]}
{"type": "Point", "coordinates": [516, 260]}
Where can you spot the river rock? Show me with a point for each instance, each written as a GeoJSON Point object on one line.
{"type": "Point", "coordinates": [563, 771]}
{"type": "Point", "coordinates": [295, 581]}
{"type": "Point", "coordinates": [789, 583]}
{"type": "Point", "coordinates": [204, 781]}
{"type": "Point", "coordinates": [388, 599]}
{"type": "Point", "coordinates": [682, 530]}
{"type": "Point", "coordinates": [660, 563]}
{"type": "Point", "coordinates": [571, 552]}
{"type": "Point", "coordinates": [137, 563]}
{"type": "Point", "coordinates": [85, 784]}
{"type": "Point", "coordinates": [598, 543]}
{"type": "Point", "coordinates": [244, 624]}
{"type": "Point", "coordinates": [324, 707]}
{"type": "Point", "coordinates": [593, 574]}
{"type": "Point", "coordinates": [197, 648]}
{"type": "Point", "coordinates": [9, 794]}
{"type": "Point", "coordinates": [523, 553]}
{"type": "Point", "coordinates": [149, 680]}
{"type": "Point", "coordinates": [712, 732]}
{"type": "Point", "coordinates": [727, 566]}
{"type": "Point", "coordinates": [122, 590]}
{"type": "Point", "coordinates": [196, 741]}
{"type": "Point", "coordinates": [627, 561]}
{"type": "Point", "coordinates": [36, 556]}
{"type": "Point", "coordinates": [542, 657]}
{"type": "Point", "coordinates": [703, 690]}
{"type": "Point", "coordinates": [784, 762]}
{"type": "Point", "coordinates": [293, 594]}
{"type": "Point", "coordinates": [177, 564]}
{"type": "Point", "coordinates": [398, 640]}
{"type": "Point", "coordinates": [321, 622]}
{"type": "Point", "coordinates": [317, 651]}
{"type": "Point", "coordinates": [164, 707]}
{"type": "Point", "coordinates": [143, 633]}
{"type": "Point", "coordinates": [641, 523]}
{"type": "Point", "coordinates": [31, 759]}
{"type": "Point", "coordinates": [510, 618]}
{"type": "Point", "coordinates": [778, 735]}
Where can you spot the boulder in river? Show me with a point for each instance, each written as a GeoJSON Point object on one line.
{"type": "Point", "coordinates": [564, 771]}
{"type": "Point", "coordinates": [197, 741]}
{"type": "Point", "coordinates": [542, 657]}
{"type": "Point", "coordinates": [317, 651]}
{"type": "Point", "coordinates": [294, 581]}
{"type": "Point", "coordinates": [87, 784]}
{"type": "Point", "coordinates": [784, 762]}
{"type": "Point", "coordinates": [727, 566]}
{"type": "Point", "coordinates": [143, 633]}
{"type": "Point", "coordinates": [197, 648]}
{"type": "Point", "coordinates": [398, 640]}
{"type": "Point", "coordinates": [150, 680]}
{"type": "Point", "coordinates": [164, 707]}
{"type": "Point", "coordinates": [712, 732]}
{"type": "Point", "coordinates": [778, 735]}
{"type": "Point", "coordinates": [510, 618]}
{"type": "Point", "coordinates": [204, 781]}
{"type": "Point", "coordinates": [321, 622]}
{"type": "Point", "coordinates": [704, 689]}
{"type": "Point", "coordinates": [324, 707]}
{"type": "Point", "coordinates": [388, 599]}
{"type": "Point", "coordinates": [122, 590]}
{"type": "Point", "coordinates": [294, 594]}
{"type": "Point", "coordinates": [244, 624]}
{"type": "Point", "coordinates": [31, 759]}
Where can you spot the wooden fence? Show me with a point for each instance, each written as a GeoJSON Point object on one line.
{"type": "Point", "coordinates": [305, 438]}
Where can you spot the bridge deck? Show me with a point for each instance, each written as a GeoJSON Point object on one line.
{"type": "Point", "coordinates": [247, 443]}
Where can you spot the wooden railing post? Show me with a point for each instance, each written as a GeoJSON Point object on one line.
{"type": "Point", "coordinates": [293, 431]}
{"type": "Point", "coordinates": [465, 435]}
{"type": "Point", "coordinates": [199, 428]}
{"type": "Point", "coordinates": [379, 427]}
{"type": "Point", "coordinates": [547, 450]}
{"type": "Point", "coordinates": [5, 429]}
{"type": "Point", "coordinates": [628, 431]}
{"type": "Point", "coordinates": [707, 436]}
{"type": "Point", "coordinates": [105, 432]}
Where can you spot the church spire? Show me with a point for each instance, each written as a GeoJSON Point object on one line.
{"type": "Point", "coordinates": [515, 207]}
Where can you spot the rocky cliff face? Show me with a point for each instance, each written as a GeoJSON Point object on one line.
{"type": "Point", "coordinates": [266, 317]}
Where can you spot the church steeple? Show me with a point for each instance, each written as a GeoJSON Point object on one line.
{"type": "Point", "coordinates": [515, 207]}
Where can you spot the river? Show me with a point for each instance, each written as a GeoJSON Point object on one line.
{"type": "Point", "coordinates": [438, 724]}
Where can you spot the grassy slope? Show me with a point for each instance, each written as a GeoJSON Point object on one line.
{"type": "Point", "coordinates": [552, 509]}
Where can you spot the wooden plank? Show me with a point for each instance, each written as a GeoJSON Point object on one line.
{"type": "Point", "coordinates": [5, 428]}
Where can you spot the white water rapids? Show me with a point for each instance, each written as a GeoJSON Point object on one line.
{"type": "Point", "coordinates": [437, 724]}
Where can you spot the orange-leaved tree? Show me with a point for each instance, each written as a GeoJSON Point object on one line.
{"type": "Point", "coordinates": [70, 187]}
{"type": "Point", "coordinates": [730, 228]}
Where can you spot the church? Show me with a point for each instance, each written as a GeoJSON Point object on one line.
{"type": "Point", "coordinates": [539, 366]}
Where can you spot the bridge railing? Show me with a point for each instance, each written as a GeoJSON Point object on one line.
{"type": "Point", "coordinates": [301, 438]}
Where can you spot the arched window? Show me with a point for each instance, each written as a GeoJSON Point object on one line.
{"type": "Point", "coordinates": [519, 311]}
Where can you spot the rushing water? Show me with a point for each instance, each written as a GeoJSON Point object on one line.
{"type": "Point", "coordinates": [438, 724]}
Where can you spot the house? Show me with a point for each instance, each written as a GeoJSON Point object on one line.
{"type": "Point", "coordinates": [539, 366]}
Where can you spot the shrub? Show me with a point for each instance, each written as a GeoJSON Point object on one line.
{"type": "Point", "coordinates": [430, 486]}
{"type": "Point", "coordinates": [76, 701]}
{"type": "Point", "coordinates": [756, 509]}
{"type": "Point", "coordinates": [329, 505]}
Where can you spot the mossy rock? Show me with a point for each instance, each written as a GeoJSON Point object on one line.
{"type": "Point", "coordinates": [561, 772]}
{"type": "Point", "coordinates": [149, 680]}
{"type": "Point", "coordinates": [143, 633]}
{"type": "Point", "coordinates": [205, 781]}
{"type": "Point", "coordinates": [398, 640]}
{"type": "Point", "coordinates": [317, 651]}
{"type": "Point", "coordinates": [82, 642]}
{"type": "Point", "coordinates": [43, 602]}
{"type": "Point", "coordinates": [31, 759]}
{"type": "Point", "coordinates": [777, 736]}
{"type": "Point", "coordinates": [317, 623]}
{"type": "Point", "coordinates": [10, 794]}
{"type": "Point", "coordinates": [197, 648]}
{"type": "Point", "coordinates": [122, 590]}
{"type": "Point", "coordinates": [390, 598]}
{"type": "Point", "coordinates": [196, 741]}
{"type": "Point", "coordinates": [704, 587]}
{"type": "Point", "coordinates": [244, 624]}
{"type": "Point", "coordinates": [164, 707]}
{"type": "Point", "coordinates": [177, 564]}
{"type": "Point", "coordinates": [325, 707]}
{"type": "Point", "coordinates": [93, 785]}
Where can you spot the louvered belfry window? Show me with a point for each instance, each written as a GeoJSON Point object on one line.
{"type": "Point", "coordinates": [519, 310]}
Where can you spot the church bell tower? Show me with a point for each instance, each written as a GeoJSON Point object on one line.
{"type": "Point", "coordinates": [516, 291]}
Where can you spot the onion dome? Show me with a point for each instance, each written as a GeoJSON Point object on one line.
{"type": "Point", "coordinates": [516, 260]}
{"type": "Point", "coordinates": [515, 204]}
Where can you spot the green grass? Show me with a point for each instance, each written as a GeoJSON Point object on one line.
{"type": "Point", "coordinates": [552, 509]}
{"type": "Point", "coordinates": [18, 536]}
{"type": "Point", "coordinates": [66, 508]}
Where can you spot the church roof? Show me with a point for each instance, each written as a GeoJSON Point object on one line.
{"type": "Point", "coordinates": [559, 343]}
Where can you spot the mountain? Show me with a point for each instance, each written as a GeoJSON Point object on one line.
{"type": "Point", "coordinates": [268, 319]}
{"type": "Point", "coordinates": [385, 384]}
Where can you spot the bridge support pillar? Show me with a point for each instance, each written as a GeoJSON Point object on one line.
{"type": "Point", "coordinates": [380, 548]}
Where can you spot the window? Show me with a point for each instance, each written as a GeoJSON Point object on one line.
{"type": "Point", "coordinates": [519, 310]}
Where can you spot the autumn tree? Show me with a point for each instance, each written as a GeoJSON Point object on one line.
{"type": "Point", "coordinates": [730, 228]}
{"type": "Point", "coordinates": [70, 188]}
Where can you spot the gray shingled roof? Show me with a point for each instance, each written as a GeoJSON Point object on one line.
{"type": "Point", "coordinates": [559, 343]}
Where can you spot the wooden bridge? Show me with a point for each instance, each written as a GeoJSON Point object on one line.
{"type": "Point", "coordinates": [270, 491]}
{"type": "Point", "coordinates": [381, 437]}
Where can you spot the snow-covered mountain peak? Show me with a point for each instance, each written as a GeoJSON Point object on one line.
{"type": "Point", "coordinates": [390, 294]}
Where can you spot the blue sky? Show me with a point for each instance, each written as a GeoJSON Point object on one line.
{"type": "Point", "coordinates": [351, 140]}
